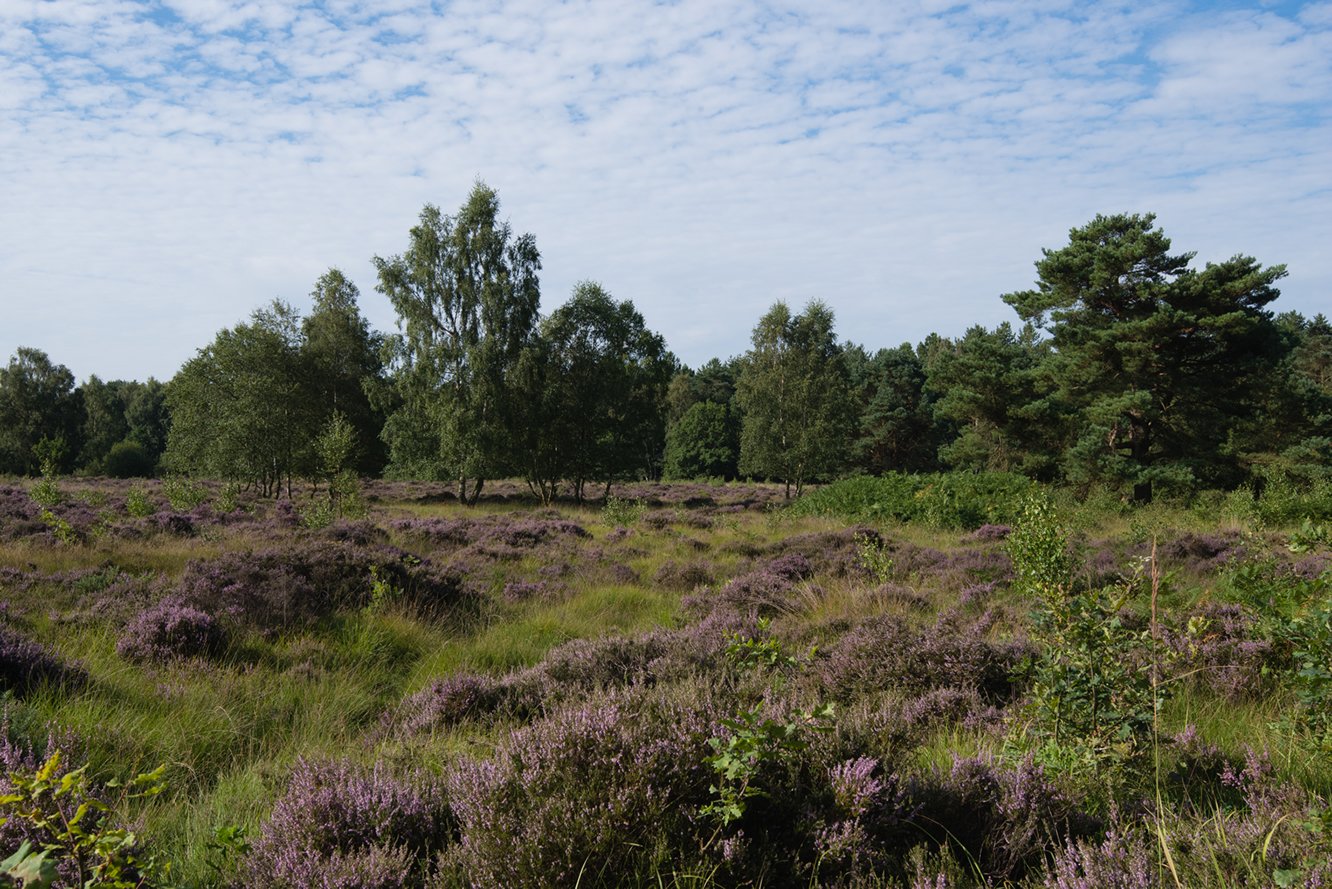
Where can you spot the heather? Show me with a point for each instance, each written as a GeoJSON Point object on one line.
{"type": "Point", "coordinates": [680, 686]}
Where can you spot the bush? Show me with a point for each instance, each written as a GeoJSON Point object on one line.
{"type": "Point", "coordinates": [960, 500]}
{"type": "Point", "coordinates": [170, 629]}
{"type": "Point", "coordinates": [129, 459]}
{"type": "Point", "coordinates": [25, 664]}
{"type": "Point", "coordinates": [344, 826]}
{"type": "Point", "coordinates": [588, 796]}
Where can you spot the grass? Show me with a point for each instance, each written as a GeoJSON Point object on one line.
{"type": "Point", "coordinates": [231, 729]}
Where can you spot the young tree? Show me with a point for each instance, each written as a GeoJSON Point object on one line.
{"type": "Point", "coordinates": [1157, 359]}
{"type": "Point", "coordinates": [466, 292]}
{"type": "Point", "coordinates": [794, 389]}
{"type": "Point", "coordinates": [344, 357]}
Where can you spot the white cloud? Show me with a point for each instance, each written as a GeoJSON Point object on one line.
{"type": "Point", "coordinates": [905, 162]}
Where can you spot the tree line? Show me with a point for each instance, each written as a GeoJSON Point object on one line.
{"type": "Point", "coordinates": [1129, 369]}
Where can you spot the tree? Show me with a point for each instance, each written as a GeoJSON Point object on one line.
{"type": "Point", "coordinates": [104, 422]}
{"type": "Point", "coordinates": [704, 443]}
{"type": "Point", "coordinates": [794, 389]}
{"type": "Point", "coordinates": [1157, 359]}
{"type": "Point", "coordinates": [992, 388]}
{"type": "Point", "coordinates": [896, 429]}
{"type": "Point", "coordinates": [594, 395]}
{"type": "Point", "coordinates": [466, 292]}
{"type": "Point", "coordinates": [37, 401]}
{"type": "Point", "coordinates": [344, 358]}
{"type": "Point", "coordinates": [245, 408]}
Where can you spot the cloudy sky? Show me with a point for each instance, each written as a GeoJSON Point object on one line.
{"type": "Point", "coordinates": [168, 167]}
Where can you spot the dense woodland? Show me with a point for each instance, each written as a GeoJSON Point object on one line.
{"type": "Point", "coordinates": [1127, 370]}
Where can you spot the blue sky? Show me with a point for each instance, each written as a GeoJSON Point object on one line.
{"type": "Point", "coordinates": [168, 167]}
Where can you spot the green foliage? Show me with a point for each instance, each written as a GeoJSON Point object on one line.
{"type": "Point", "coordinates": [129, 459]}
{"type": "Point", "coordinates": [760, 651]}
{"type": "Point", "coordinates": [79, 829]}
{"type": "Point", "coordinates": [897, 427]}
{"type": "Point", "coordinates": [795, 391]}
{"type": "Point", "coordinates": [752, 742]}
{"type": "Point", "coordinates": [1093, 693]}
{"type": "Point", "coordinates": [50, 452]}
{"type": "Point", "coordinates": [946, 500]}
{"type": "Point", "coordinates": [60, 527]}
{"type": "Point", "coordinates": [244, 407]}
{"type": "Point", "coordinates": [1038, 547]}
{"type": "Point", "coordinates": [138, 504]}
{"type": "Point", "coordinates": [31, 869]}
{"type": "Point", "coordinates": [704, 443]}
{"type": "Point", "coordinates": [1155, 362]}
{"type": "Point", "coordinates": [46, 492]}
{"type": "Point", "coordinates": [990, 386]}
{"type": "Point", "coordinates": [37, 401]}
{"type": "Point", "coordinates": [183, 493]}
{"type": "Point", "coordinates": [592, 395]}
{"type": "Point", "coordinates": [874, 558]}
{"type": "Point", "coordinates": [1310, 536]}
{"type": "Point", "coordinates": [466, 294]}
{"type": "Point", "coordinates": [621, 512]}
{"type": "Point", "coordinates": [346, 372]}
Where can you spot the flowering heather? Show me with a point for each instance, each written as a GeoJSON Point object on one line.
{"type": "Point", "coordinates": [344, 826]}
{"type": "Point", "coordinates": [832, 553]}
{"type": "Point", "coordinates": [1219, 647]}
{"type": "Point", "coordinates": [450, 701]}
{"type": "Point", "coordinates": [1008, 820]}
{"type": "Point", "coordinates": [168, 630]}
{"type": "Point", "coordinates": [523, 590]}
{"type": "Point", "coordinates": [1121, 860]}
{"type": "Point", "coordinates": [497, 534]}
{"type": "Point", "coordinates": [180, 524]}
{"type": "Point", "coordinates": [686, 576]}
{"type": "Point", "coordinates": [277, 588]}
{"type": "Point", "coordinates": [603, 783]}
{"type": "Point", "coordinates": [25, 664]}
{"type": "Point", "coordinates": [885, 652]}
{"type": "Point", "coordinates": [990, 532]}
{"type": "Point", "coordinates": [1202, 553]}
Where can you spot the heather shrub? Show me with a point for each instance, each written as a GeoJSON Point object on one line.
{"type": "Point", "coordinates": [588, 796]}
{"type": "Point", "coordinates": [686, 576]}
{"type": "Point", "coordinates": [885, 652]}
{"type": "Point", "coordinates": [1220, 647]}
{"type": "Point", "coordinates": [25, 664]}
{"type": "Point", "coordinates": [168, 630]}
{"type": "Point", "coordinates": [341, 825]}
{"type": "Point", "coordinates": [280, 588]}
{"type": "Point", "coordinates": [1005, 819]}
{"type": "Point", "coordinates": [451, 701]}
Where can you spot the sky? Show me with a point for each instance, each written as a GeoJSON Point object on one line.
{"type": "Point", "coordinates": [166, 168]}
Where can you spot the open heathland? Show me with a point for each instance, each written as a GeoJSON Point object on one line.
{"type": "Point", "coordinates": [908, 681]}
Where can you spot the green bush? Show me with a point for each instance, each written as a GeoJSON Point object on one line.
{"type": "Point", "coordinates": [958, 500]}
{"type": "Point", "coordinates": [129, 459]}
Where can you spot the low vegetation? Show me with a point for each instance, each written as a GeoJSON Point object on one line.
{"type": "Point", "coordinates": [905, 681]}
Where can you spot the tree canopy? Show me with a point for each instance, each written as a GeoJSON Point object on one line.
{"type": "Point", "coordinates": [466, 292]}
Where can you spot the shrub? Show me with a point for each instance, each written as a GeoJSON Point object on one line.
{"type": "Point", "coordinates": [587, 796]}
{"type": "Point", "coordinates": [129, 459]}
{"type": "Point", "coordinates": [276, 589]}
{"type": "Point", "coordinates": [170, 629]}
{"type": "Point", "coordinates": [345, 826]}
{"type": "Point", "coordinates": [25, 664]}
